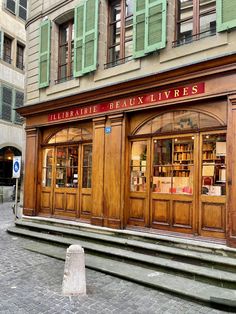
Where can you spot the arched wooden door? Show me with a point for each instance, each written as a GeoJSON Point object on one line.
{"type": "Point", "coordinates": [66, 176]}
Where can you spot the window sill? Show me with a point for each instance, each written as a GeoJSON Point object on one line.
{"type": "Point", "coordinates": [117, 70]}
{"type": "Point", "coordinates": [58, 88]}
{"type": "Point", "coordinates": [195, 47]}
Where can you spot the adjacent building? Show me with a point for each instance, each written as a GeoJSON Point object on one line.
{"type": "Point", "coordinates": [130, 115]}
{"type": "Point", "coordinates": [12, 83]}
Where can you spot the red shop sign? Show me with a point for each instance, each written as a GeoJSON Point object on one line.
{"type": "Point", "coordinates": [130, 102]}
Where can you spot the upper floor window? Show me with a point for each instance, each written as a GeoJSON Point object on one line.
{"type": "Point", "coordinates": [17, 7]}
{"type": "Point", "coordinates": [11, 99]}
{"type": "Point", "coordinates": [7, 45]}
{"type": "Point", "coordinates": [20, 56]}
{"type": "Point", "coordinates": [66, 51]}
{"type": "Point", "coordinates": [195, 19]}
{"type": "Point", "coordinates": [120, 35]}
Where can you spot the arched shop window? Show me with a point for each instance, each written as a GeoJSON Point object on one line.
{"type": "Point", "coordinates": [178, 121]}
{"type": "Point", "coordinates": [6, 159]}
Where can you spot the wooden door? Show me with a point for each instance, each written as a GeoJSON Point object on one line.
{"type": "Point", "coordinates": [138, 195]}
{"type": "Point", "coordinates": [46, 199]}
{"type": "Point", "coordinates": [212, 186]}
{"type": "Point", "coordinates": [174, 178]}
{"type": "Point", "coordinates": [66, 192]}
{"type": "Point", "coordinates": [66, 181]}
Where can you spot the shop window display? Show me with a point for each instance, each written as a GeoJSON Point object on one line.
{"type": "Point", "coordinates": [173, 165]}
{"type": "Point", "coordinates": [214, 164]}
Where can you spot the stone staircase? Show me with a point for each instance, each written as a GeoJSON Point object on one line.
{"type": "Point", "coordinates": [201, 271]}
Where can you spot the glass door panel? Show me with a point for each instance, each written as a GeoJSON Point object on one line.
{"type": "Point", "coordinates": [214, 165]}
{"type": "Point", "coordinates": [47, 167]}
{"type": "Point", "coordinates": [138, 166]}
{"type": "Point", "coordinates": [173, 165]}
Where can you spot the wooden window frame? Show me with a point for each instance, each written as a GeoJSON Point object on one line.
{"type": "Point", "coordinates": [123, 40]}
{"type": "Point", "coordinates": [69, 69]}
{"type": "Point", "coordinates": [20, 56]}
{"type": "Point", "coordinates": [7, 46]}
{"type": "Point", "coordinates": [195, 18]}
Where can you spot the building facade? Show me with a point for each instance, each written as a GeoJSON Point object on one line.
{"type": "Point", "coordinates": [12, 83]}
{"type": "Point", "coordinates": [130, 115]}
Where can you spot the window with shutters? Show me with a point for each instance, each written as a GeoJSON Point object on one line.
{"type": "Point", "coordinates": [17, 7]}
{"type": "Point", "coordinates": [66, 52]}
{"type": "Point", "coordinates": [20, 56]}
{"type": "Point", "coordinates": [7, 45]}
{"type": "Point", "coordinates": [195, 19]}
{"type": "Point", "coordinates": [19, 102]}
{"type": "Point", "coordinates": [7, 98]}
{"type": "Point", "coordinates": [120, 34]}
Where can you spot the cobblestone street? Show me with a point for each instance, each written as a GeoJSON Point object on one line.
{"type": "Point", "coordinates": [31, 283]}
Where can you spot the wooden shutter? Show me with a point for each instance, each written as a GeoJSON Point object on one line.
{"type": "Point", "coordinates": [139, 28]}
{"type": "Point", "coordinates": [44, 55]}
{"type": "Point", "coordinates": [90, 36]}
{"type": "Point", "coordinates": [19, 102]}
{"type": "Point", "coordinates": [155, 32]}
{"type": "Point", "coordinates": [226, 14]}
{"type": "Point", "coordinates": [149, 26]}
{"type": "Point", "coordinates": [78, 41]}
{"type": "Point", "coordinates": [7, 98]}
{"type": "Point", "coordinates": [1, 44]}
{"type": "Point", "coordinates": [86, 37]}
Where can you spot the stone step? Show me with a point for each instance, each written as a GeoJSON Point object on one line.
{"type": "Point", "coordinates": [214, 296]}
{"type": "Point", "coordinates": [196, 272]}
{"type": "Point", "coordinates": [174, 252]}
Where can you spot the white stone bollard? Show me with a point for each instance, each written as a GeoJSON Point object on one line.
{"type": "Point", "coordinates": [74, 282]}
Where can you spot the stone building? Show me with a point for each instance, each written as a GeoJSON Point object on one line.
{"type": "Point", "coordinates": [12, 83]}
{"type": "Point", "coordinates": [130, 115]}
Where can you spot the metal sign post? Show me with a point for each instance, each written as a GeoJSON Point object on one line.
{"type": "Point", "coordinates": [16, 174]}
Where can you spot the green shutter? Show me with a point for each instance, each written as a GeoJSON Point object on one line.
{"type": "Point", "coordinates": [1, 44]}
{"type": "Point", "coordinates": [44, 54]}
{"type": "Point", "coordinates": [226, 14]}
{"type": "Point", "coordinates": [78, 46]}
{"type": "Point", "coordinates": [155, 32]}
{"type": "Point", "coordinates": [86, 37]}
{"type": "Point", "coordinates": [90, 36]}
{"type": "Point", "coordinates": [139, 28]}
{"type": "Point", "coordinates": [149, 26]}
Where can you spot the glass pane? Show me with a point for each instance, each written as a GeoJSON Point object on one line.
{"type": "Point", "coordinates": [74, 134]}
{"type": "Point", "coordinates": [185, 120]}
{"type": "Point", "coordinates": [162, 180]}
{"type": "Point", "coordinates": [138, 166]}
{"type": "Point", "coordinates": [207, 17]}
{"type": "Point", "coordinates": [214, 164]}
{"type": "Point", "coordinates": [185, 21]}
{"type": "Point", "coordinates": [72, 169]}
{"type": "Point", "coordinates": [173, 165]}
{"type": "Point", "coordinates": [61, 167]}
{"type": "Point", "coordinates": [162, 152]}
{"type": "Point", "coordinates": [47, 167]}
{"type": "Point", "coordinates": [87, 166]}
{"type": "Point", "coordinates": [183, 179]}
{"type": "Point", "coordinates": [61, 136]}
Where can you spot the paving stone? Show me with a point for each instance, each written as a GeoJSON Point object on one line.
{"type": "Point", "coordinates": [32, 283]}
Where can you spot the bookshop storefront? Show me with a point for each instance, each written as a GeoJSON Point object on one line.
{"type": "Point", "coordinates": [160, 161]}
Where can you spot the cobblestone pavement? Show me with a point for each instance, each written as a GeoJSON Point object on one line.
{"type": "Point", "coordinates": [31, 283]}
